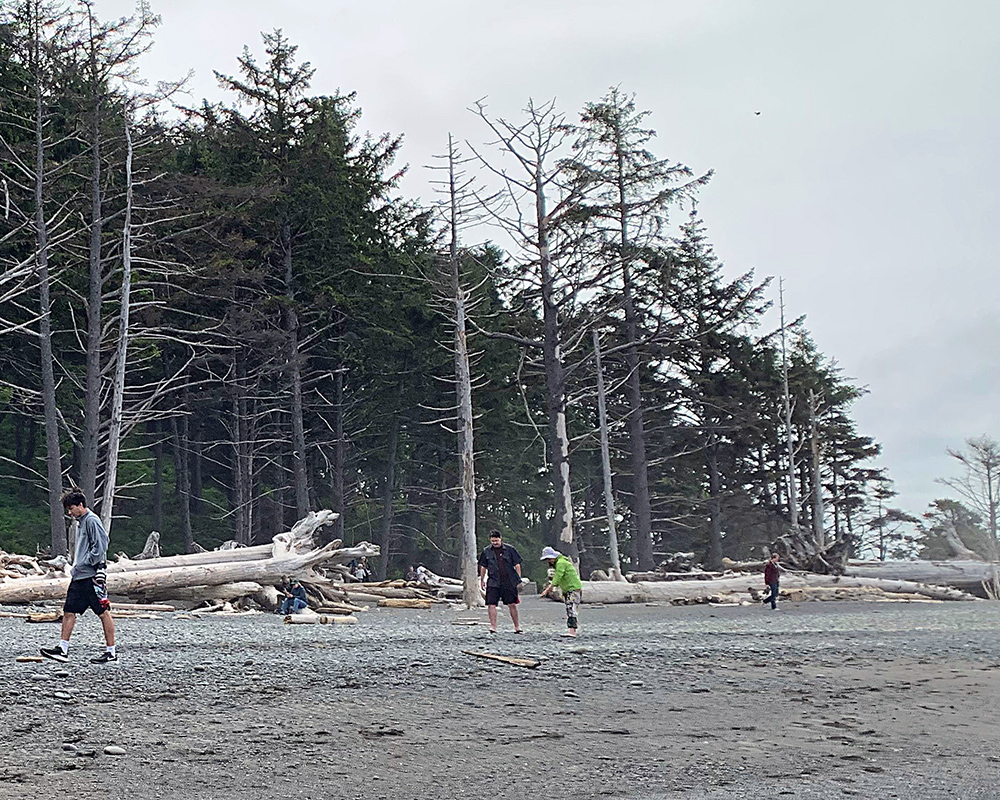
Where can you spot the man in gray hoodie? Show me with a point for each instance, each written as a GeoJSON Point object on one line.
{"type": "Point", "coordinates": [88, 580]}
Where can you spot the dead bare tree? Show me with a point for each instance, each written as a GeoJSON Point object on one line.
{"type": "Point", "coordinates": [979, 483]}
{"type": "Point", "coordinates": [540, 194]}
{"type": "Point", "coordinates": [111, 50]}
{"type": "Point", "coordinates": [121, 352]}
{"type": "Point", "coordinates": [793, 497]}
{"type": "Point", "coordinates": [456, 300]}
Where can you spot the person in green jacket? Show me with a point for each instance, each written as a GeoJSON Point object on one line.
{"type": "Point", "coordinates": [566, 579]}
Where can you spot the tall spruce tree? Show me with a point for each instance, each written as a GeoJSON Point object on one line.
{"type": "Point", "coordinates": [629, 195]}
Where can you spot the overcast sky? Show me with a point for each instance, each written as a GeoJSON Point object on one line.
{"type": "Point", "coordinates": [868, 180]}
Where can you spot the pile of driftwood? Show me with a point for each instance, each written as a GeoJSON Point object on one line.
{"type": "Point", "coordinates": [326, 596]}
{"type": "Point", "coordinates": [217, 577]}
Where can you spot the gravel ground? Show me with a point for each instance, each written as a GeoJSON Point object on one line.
{"type": "Point", "coordinates": [816, 700]}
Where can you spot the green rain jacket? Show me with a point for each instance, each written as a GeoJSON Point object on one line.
{"type": "Point", "coordinates": [565, 576]}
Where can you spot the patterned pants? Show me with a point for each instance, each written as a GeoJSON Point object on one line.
{"type": "Point", "coordinates": [572, 600]}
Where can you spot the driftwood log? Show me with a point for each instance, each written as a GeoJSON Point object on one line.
{"type": "Point", "coordinates": [615, 592]}
{"type": "Point", "coordinates": [529, 663]}
{"type": "Point", "coordinates": [397, 602]}
{"type": "Point", "coordinates": [221, 593]}
{"type": "Point", "coordinates": [306, 618]}
{"type": "Point", "coordinates": [639, 577]}
{"type": "Point", "coordinates": [967, 575]}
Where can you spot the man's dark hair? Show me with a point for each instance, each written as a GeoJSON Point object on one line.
{"type": "Point", "coordinates": [495, 534]}
{"type": "Point", "coordinates": [73, 497]}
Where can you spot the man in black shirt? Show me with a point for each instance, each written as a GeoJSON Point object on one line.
{"type": "Point", "coordinates": [500, 577]}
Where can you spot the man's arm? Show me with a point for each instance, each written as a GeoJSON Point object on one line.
{"type": "Point", "coordinates": [97, 541]}
{"type": "Point", "coordinates": [516, 561]}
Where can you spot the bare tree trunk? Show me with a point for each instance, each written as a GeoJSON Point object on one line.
{"type": "Point", "coordinates": [157, 475]}
{"type": "Point", "coordinates": [817, 479]}
{"type": "Point", "coordinates": [835, 504]}
{"type": "Point", "coordinates": [182, 479]}
{"type": "Point", "coordinates": [90, 437]}
{"type": "Point", "coordinates": [338, 455]}
{"type": "Point", "coordinates": [714, 504]}
{"type": "Point", "coordinates": [463, 388]}
{"type": "Point", "coordinates": [121, 354]}
{"type": "Point", "coordinates": [555, 382]}
{"type": "Point", "coordinates": [242, 471]}
{"type": "Point", "coordinates": [53, 456]}
{"type": "Point", "coordinates": [793, 499]}
{"type": "Point", "coordinates": [609, 500]}
{"type": "Point", "coordinates": [385, 535]}
{"type": "Point", "coordinates": [299, 466]}
{"type": "Point", "coordinates": [643, 530]}
{"type": "Point", "coordinates": [197, 484]}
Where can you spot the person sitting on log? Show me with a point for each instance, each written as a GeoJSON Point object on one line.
{"type": "Point", "coordinates": [295, 598]}
{"type": "Point", "coordinates": [567, 580]}
{"type": "Point", "coordinates": [771, 572]}
{"type": "Point", "coordinates": [88, 580]}
{"type": "Point", "coordinates": [411, 574]}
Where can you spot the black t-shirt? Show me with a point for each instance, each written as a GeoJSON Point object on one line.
{"type": "Point", "coordinates": [506, 568]}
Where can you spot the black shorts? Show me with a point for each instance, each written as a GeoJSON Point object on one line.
{"type": "Point", "coordinates": [494, 594]}
{"type": "Point", "coordinates": [80, 596]}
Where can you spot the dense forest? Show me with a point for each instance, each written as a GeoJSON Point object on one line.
{"type": "Point", "coordinates": [215, 318]}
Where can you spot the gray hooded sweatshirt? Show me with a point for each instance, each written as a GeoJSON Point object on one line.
{"type": "Point", "coordinates": [91, 547]}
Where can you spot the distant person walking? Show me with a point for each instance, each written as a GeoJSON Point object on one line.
{"type": "Point", "coordinates": [771, 572]}
{"type": "Point", "coordinates": [500, 578]}
{"type": "Point", "coordinates": [88, 580]}
{"type": "Point", "coordinates": [566, 579]}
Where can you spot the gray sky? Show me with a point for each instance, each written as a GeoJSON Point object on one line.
{"type": "Point", "coordinates": [867, 181]}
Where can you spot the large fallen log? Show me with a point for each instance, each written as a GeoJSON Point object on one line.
{"type": "Point", "coordinates": [645, 577]}
{"type": "Point", "coordinates": [615, 592]}
{"type": "Point", "coordinates": [364, 597]}
{"type": "Point", "coordinates": [397, 592]}
{"type": "Point", "coordinates": [967, 575]}
{"type": "Point", "coordinates": [395, 602]}
{"type": "Point", "coordinates": [197, 594]}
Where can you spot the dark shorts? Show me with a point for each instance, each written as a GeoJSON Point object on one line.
{"type": "Point", "coordinates": [494, 594]}
{"type": "Point", "coordinates": [81, 596]}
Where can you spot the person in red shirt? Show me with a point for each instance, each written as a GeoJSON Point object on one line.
{"type": "Point", "coordinates": [771, 572]}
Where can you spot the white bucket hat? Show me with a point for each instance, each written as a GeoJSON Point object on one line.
{"type": "Point", "coordinates": [549, 552]}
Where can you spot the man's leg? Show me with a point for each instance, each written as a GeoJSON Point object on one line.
{"type": "Point", "coordinates": [108, 623]}
{"type": "Point", "coordinates": [774, 595]}
{"type": "Point", "coordinates": [68, 622]}
{"type": "Point", "coordinates": [61, 651]}
{"type": "Point", "coordinates": [513, 616]}
{"type": "Point", "coordinates": [492, 611]}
